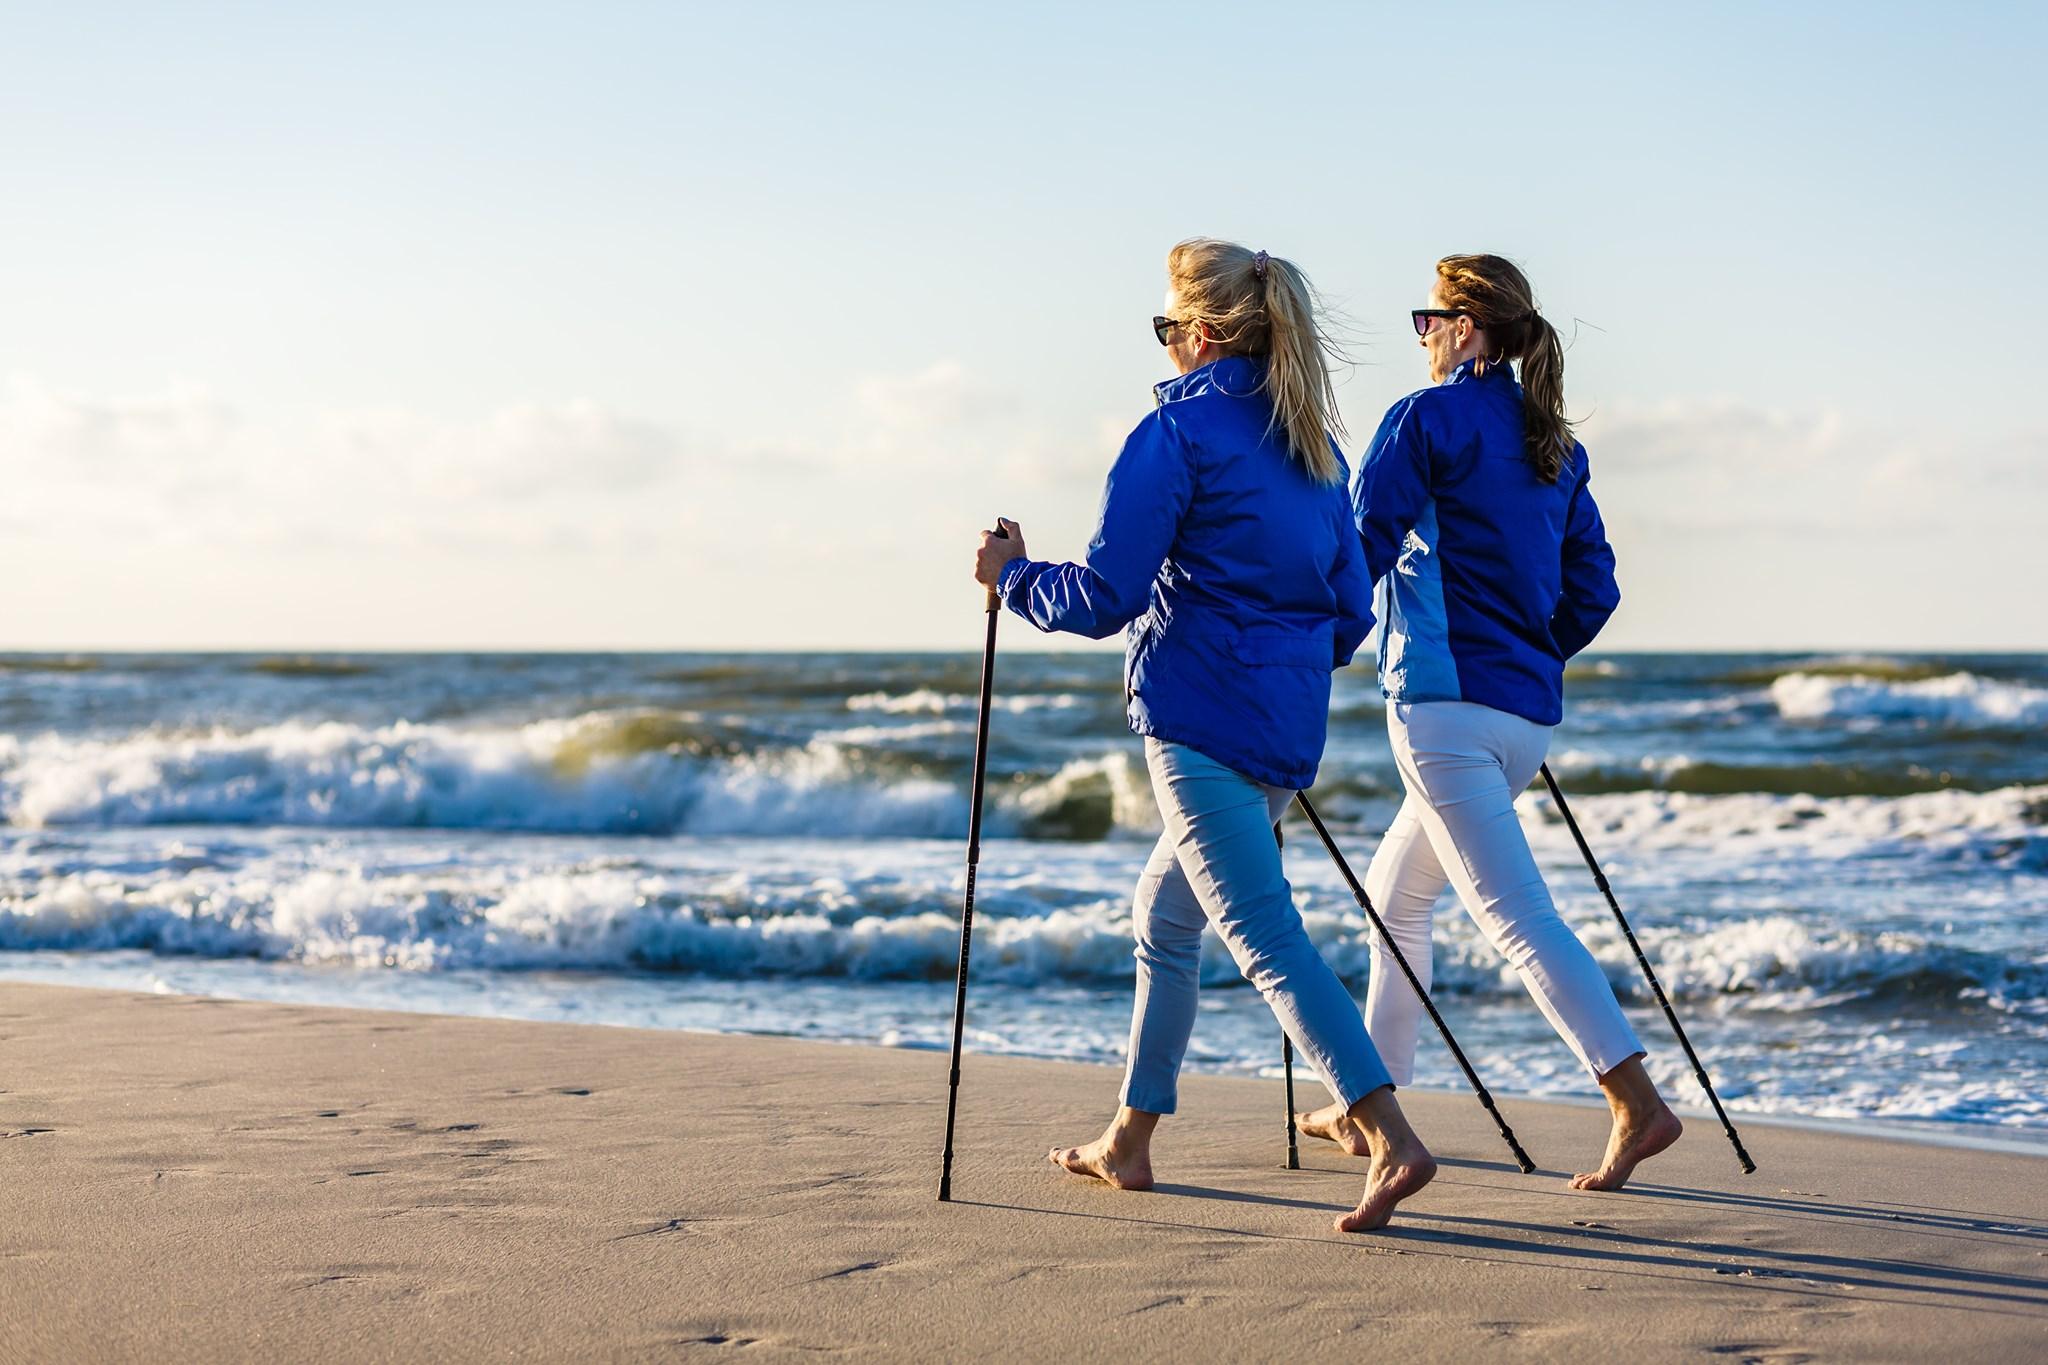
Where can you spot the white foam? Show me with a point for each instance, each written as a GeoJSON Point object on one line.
{"type": "Point", "coordinates": [889, 922]}
{"type": "Point", "coordinates": [1761, 824]}
{"type": "Point", "coordinates": [1958, 699]}
{"type": "Point", "coordinates": [926, 701]}
{"type": "Point", "coordinates": [604, 772]}
{"type": "Point", "coordinates": [553, 775]}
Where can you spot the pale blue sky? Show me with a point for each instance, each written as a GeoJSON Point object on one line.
{"type": "Point", "coordinates": [714, 326]}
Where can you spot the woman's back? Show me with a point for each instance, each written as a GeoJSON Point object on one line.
{"type": "Point", "coordinates": [1494, 576]}
{"type": "Point", "coordinates": [1260, 540]}
{"type": "Point", "coordinates": [1236, 571]}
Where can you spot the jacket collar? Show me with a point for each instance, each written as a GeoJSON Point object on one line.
{"type": "Point", "coordinates": [1469, 370]}
{"type": "Point", "coordinates": [1237, 376]}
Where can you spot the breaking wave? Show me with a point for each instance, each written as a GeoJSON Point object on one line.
{"type": "Point", "coordinates": [608, 919]}
{"type": "Point", "coordinates": [626, 772]}
{"type": "Point", "coordinates": [1958, 700]}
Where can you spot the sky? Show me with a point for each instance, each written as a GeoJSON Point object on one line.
{"type": "Point", "coordinates": [727, 327]}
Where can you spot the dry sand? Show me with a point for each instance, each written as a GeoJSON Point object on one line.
{"type": "Point", "coordinates": [197, 1179]}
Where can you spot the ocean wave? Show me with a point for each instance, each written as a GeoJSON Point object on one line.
{"type": "Point", "coordinates": [930, 702]}
{"type": "Point", "coordinates": [2009, 823]}
{"type": "Point", "coordinates": [607, 772]}
{"type": "Point", "coordinates": [309, 666]}
{"type": "Point", "coordinates": [609, 919]}
{"type": "Point", "coordinates": [1681, 773]}
{"type": "Point", "coordinates": [1959, 700]}
{"type": "Point", "coordinates": [615, 772]}
{"type": "Point", "coordinates": [49, 663]}
{"type": "Point", "coordinates": [1887, 667]}
{"type": "Point", "coordinates": [1090, 798]}
{"type": "Point", "coordinates": [653, 771]}
{"type": "Point", "coordinates": [1790, 964]}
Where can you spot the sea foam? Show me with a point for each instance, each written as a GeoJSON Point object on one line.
{"type": "Point", "coordinates": [1960, 700]}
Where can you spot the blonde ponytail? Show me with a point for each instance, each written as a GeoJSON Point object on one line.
{"type": "Point", "coordinates": [1258, 305]}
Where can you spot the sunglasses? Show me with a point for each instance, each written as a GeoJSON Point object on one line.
{"type": "Point", "coordinates": [1424, 316]}
{"type": "Point", "coordinates": [1161, 326]}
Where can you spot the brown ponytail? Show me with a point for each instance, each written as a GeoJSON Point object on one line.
{"type": "Point", "coordinates": [1497, 295]}
{"type": "Point", "coordinates": [1259, 305]}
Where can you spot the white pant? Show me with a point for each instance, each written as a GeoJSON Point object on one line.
{"type": "Point", "coordinates": [1463, 765]}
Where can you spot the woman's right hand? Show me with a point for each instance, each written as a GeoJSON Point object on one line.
{"type": "Point", "coordinates": [996, 551]}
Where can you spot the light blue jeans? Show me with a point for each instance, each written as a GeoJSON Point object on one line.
{"type": "Point", "coordinates": [1218, 865]}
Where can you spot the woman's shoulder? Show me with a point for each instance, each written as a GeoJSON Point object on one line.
{"type": "Point", "coordinates": [1421, 415]}
{"type": "Point", "coordinates": [1232, 378]}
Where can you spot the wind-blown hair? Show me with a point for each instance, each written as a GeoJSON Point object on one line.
{"type": "Point", "coordinates": [1258, 305]}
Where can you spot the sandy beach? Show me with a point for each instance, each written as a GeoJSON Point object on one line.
{"type": "Point", "coordinates": [198, 1179]}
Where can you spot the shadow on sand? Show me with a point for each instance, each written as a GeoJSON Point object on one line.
{"type": "Point", "coordinates": [1580, 1245]}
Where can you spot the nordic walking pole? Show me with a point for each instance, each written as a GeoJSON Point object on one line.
{"type": "Point", "coordinates": [1379, 926]}
{"type": "Point", "coordinates": [1287, 1061]}
{"type": "Point", "coordinates": [1600, 880]}
{"type": "Point", "coordinates": [988, 676]}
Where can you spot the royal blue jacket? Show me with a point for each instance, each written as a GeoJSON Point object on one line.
{"type": "Point", "coordinates": [1238, 575]}
{"type": "Point", "coordinates": [1490, 578]}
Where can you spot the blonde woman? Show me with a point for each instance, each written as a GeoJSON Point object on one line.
{"type": "Point", "coordinates": [1226, 551]}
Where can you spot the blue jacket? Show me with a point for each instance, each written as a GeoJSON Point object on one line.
{"type": "Point", "coordinates": [1492, 577]}
{"type": "Point", "coordinates": [1238, 575]}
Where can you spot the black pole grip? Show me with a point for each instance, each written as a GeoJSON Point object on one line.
{"type": "Point", "coordinates": [999, 533]}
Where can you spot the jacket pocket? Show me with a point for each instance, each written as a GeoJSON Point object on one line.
{"type": "Point", "coordinates": [1288, 648]}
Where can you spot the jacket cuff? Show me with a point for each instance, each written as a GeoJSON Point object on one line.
{"type": "Point", "coordinates": [1007, 579]}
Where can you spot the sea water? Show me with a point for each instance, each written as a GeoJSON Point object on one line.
{"type": "Point", "coordinates": [1838, 864]}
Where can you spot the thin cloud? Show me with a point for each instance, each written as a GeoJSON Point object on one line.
{"type": "Point", "coordinates": [41, 426]}
{"type": "Point", "coordinates": [188, 468]}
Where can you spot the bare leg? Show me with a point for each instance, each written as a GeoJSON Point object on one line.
{"type": "Point", "coordinates": [1121, 1157]}
{"type": "Point", "coordinates": [1401, 1165]}
{"type": "Point", "coordinates": [1643, 1126]}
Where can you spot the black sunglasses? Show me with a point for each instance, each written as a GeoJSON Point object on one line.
{"type": "Point", "coordinates": [1421, 317]}
{"type": "Point", "coordinates": [1161, 326]}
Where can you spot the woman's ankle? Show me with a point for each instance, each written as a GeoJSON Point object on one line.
{"type": "Point", "coordinates": [1378, 1115]}
{"type": "Point", "coordinates": [1131, 1129]}
{"type": "Point", "coordinates": [1630, 1092]}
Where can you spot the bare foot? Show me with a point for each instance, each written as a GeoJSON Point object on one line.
{"type": "Point", "coordinates": [1629, 1144]}
{"type": "Point", "coordinates": [1333, 1124]}
{"type": "Point", "coordinates": [1394, 1176]}
{"type": "Point", "coordinates": [1102, 1159]}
